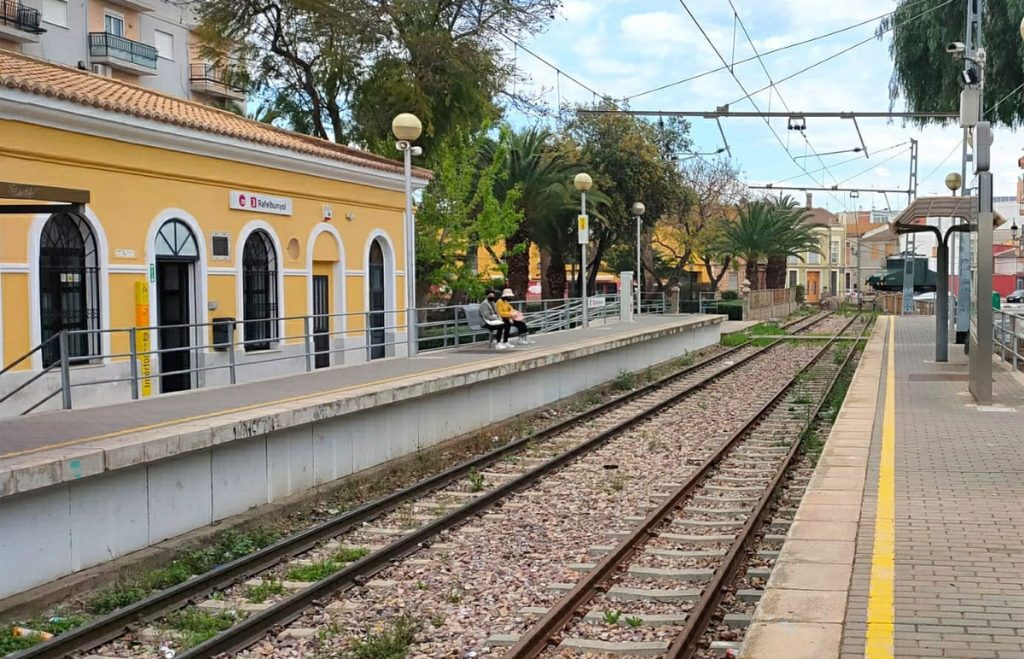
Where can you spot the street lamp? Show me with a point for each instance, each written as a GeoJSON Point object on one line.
{"type": "Point", "coordinates": [407, 128]}
{"type": "Point", "coordinates": [638, 210]}
{"type": "Point", "coordinates": [583, 182]}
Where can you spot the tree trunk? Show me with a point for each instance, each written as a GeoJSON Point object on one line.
{"type": "Point", "coordinates": [518, 261]}
{"type": "Point", "coordinates": [775, 273]}
{"type": "Point", "coordinates": [554, 277]}
{"type": "Point", "coordinates": [750, 273]}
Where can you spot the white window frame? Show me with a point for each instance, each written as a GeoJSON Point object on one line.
{"type": "Point", "coordinates": [159, 51]}
{"type": "Point", "coordinates": [124, 24]}
{"type": "Point", "coordinates": [64, 4]}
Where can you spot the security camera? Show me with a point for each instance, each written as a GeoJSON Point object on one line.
{"type": "Point", "coordinates": [956, 48]}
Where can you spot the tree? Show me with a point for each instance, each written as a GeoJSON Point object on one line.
{"type": "Point", "coordinates": [688, 237]}
{"type": "Point", "coordinates": [540, 175]}
{"type": "Point", "coordinates": [929, 79]}
{"type": "Point", "coordinates": [460, 210]}
{"type": "Point", "coordinates": [630, 160]}
{"type": "Point", "coordinates": [348, 66]}
{"type": "Point", "coordinates": [766, 229]}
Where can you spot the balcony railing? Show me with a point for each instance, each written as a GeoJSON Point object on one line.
{"type": "Point", "coordinates": [228, 77]}
{"type": "Point", "coordinates": [104, 44]}
{"type": "Point", "coordinates": [19, 16]}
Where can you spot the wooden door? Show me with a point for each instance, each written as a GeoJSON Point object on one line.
{"type": "Point", "coordinates": [813, 286]}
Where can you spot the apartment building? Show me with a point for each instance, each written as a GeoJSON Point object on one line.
{"type": "Point", "coordinates": [149, 43]}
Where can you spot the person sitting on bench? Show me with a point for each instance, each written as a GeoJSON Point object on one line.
{"type": "Point", "coordinates": [493, 321]}
{"type": "Point", "coordinates": [513, 316]}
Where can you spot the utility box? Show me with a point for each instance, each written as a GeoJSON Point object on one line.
{"type": "Point", "coordinates": [223, 333]}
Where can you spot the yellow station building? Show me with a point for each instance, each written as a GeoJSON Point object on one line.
{"type": "Point", "coordinates": [214, 215]}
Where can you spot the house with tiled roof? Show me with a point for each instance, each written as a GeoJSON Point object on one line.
{"type": "Point", "coordinates": [217, 238]}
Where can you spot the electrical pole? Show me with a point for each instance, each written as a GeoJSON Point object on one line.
{"type": "Point", "coordinates": [910, 255]}
{"type": "Point", "coordinates": [972, 41]}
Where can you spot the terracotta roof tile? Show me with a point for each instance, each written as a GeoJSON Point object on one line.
{"type": "Point", "coordinates": [83, 88]}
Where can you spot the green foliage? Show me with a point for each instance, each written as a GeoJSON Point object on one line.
{"type": "Point", "coordinates": [625, 381]}
{"type": "Point", "coordinates": [767, 229]}
{"type": "Point", "coordinates": [929, 79]}
{"type": "Point", "coordinates": [114, 597]}
{"type": "Point", "coordinates": [734, 339]}
{"type": "Point", "coordinates": [343, 69]}
{"type": "Point", "coordinates": [612, 617]}
{"type": "Point", "coordinates": [350, 554]}
{"type": "Point", "coordinates": [460, 210]}
{"type": "Point", "coordinates": [197, 626]}
{"type": "Point", "coordinates": [634, 622]}
{"type": "Point", "coordinates": [800, 294]}
{"type": "Point", "coordinates": [730, 295]}
{"type": "Point", "coordinates": [629, 160]}
{"type": "Point", "coordinates": [265, 589]}
{"type": "Point", "coordinates": [56, 624]}
{"type": "Point", "coordinates": [313, 571]}
{"type": "Point", "coordinates": [390, 640]}
{"type": "Point", "coordinates": [476, 480]}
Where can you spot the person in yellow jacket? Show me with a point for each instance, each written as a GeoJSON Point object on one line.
{"type": "Point", "coordinates": [513, 316]}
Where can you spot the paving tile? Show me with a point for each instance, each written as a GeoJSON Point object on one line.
{"type": "Point", "coordinates": [791, 640]}
{"type": "Point", "coordinates": [812, 576]}
{"type": "Point", "coordinates": [794, 605]}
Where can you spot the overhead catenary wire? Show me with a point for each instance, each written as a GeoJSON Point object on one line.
{"type": "Point", "coordinates": [843, 51]}
{"type": "Point", "coordinates": [849, 160]}
{"type": "Point", "coordinates": [778, 92]}
{"type": "Point", "coordinates": [767, 122]}
{"type": "Point", "coordinates": [772, 51]}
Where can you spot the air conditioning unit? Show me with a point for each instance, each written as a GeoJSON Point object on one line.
{"type": "Point", "coordinates": [102, 70]}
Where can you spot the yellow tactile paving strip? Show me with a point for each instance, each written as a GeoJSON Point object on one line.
{"type": "Point", "coordinates": [801, 616]}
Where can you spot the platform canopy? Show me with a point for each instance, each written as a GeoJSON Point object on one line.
{"type": "Point", "coordinates": [926, 207]}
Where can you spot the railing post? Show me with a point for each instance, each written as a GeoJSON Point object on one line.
{"type": "Point", "coordinates": [65, 370]}
{"type": "Point", "coordinates": [231, 353]}
{"type": "Point", "coordinates": [1013, 323]}
{"type": "Point", "coordinates": [307, 339]}
{"type": "Point", "coordinates": [133, 348]}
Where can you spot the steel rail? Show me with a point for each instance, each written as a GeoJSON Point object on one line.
{"type": "Point", "coordinates": [686, 643]}
{"type": "Point", "coordinates": [539, 636]}
{"type": "Point", "coordinates": [112, 625]}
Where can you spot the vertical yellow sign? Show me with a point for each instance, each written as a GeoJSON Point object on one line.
{"type": "Point", "coordinates": [142, 338]}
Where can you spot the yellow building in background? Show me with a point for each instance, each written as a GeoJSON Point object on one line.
{"type": "Point", "coordinates": [218, 216]}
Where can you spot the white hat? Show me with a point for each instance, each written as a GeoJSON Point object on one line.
{"type": "Point", "coordinates": [507, 293]}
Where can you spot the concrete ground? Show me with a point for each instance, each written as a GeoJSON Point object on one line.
{"type": "Point", "coordinates": [34, 432]}
{"type": "Point", "coordinates": [730, 326]}
{"type": "Point", "coordinates": [909, 539]}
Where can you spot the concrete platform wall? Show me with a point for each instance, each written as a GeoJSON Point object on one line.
{"type": "Point", "coordinates": [54, 531]}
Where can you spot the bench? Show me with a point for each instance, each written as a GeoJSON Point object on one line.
{"type": "Point", "coordinates": [476, 321]}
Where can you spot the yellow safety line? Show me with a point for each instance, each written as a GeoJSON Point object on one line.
{"type": "Point", "coordinates": [881, 611]}
{"type": "Point", "coordinates": [244, 408]}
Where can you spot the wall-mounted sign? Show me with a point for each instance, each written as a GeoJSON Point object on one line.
{"type": "Point", "coordinates": [142, 338]}
{"type": "Point", "coordinates": [328, 213]}
{"type": "Point", "coordinates": [583, 229]}
{"type": "Point", "coordinates": [260, 203]}
{"type": "Point", "coordinates": [124, 253]}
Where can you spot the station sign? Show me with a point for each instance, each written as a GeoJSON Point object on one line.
{"type": "Point", "coordinates": [251, 201]}
{"type": "Point", "coordinates": [583, 229]}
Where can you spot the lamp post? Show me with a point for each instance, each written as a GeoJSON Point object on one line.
{"type": "Point", "coordinates": [407, 128]}
{"type": "Point", "coordinates": [583, 182]}
{"type": "Point", "coordinates": [638, 211]}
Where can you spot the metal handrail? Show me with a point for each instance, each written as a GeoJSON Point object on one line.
{"type": "Point", "coordinates": [24, 18]}
{"type": "Point", "coordinates": [106, 44]}
{"type": "Point", "coordinates": [1008, 342]}
{"type": "Point", "coordinates": [435, 334]}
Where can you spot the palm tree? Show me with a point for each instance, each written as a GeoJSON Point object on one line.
{"type": "Point", "coordinates": [542, 176]}
{"type": "Point", "coordinates": [770, 230]}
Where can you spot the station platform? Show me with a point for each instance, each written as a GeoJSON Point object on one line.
{"type": "Point", "coordinates": [910, 536]}
{"type": "Point", "coordinates": [84, 486]}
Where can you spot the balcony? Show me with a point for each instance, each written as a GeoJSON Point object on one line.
{"type": "Point", "coordinates": [143, 6]}
{"type": "Point", "coordinates": [218, 82]}
{"type": "Point", "coordinates": [122, 54]}
{"type": "Point", "coordinates": [19, 23]}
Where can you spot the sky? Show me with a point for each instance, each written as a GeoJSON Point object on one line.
{"type": "Point", "coordinates": [622, 48]}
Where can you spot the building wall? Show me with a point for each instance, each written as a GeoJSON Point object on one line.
{"type": "Point", "coordinates": [136, 188]}
{"type": "Point", "coordinates": [69, 45]}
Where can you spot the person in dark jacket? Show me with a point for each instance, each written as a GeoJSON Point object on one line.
{"type": "Point", "coordinates": [494, 322]}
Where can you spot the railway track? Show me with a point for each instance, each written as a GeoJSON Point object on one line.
{"type": "Point", "coordinates": [544, 451]}
{"type": "Point", "coordinates": [694, 540]}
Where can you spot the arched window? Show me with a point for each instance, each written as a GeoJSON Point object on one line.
{"type": "Point", "coordinates": [69, 287]}
{"type": "Point", "coordinates": [259, 290]}
{"type": "Point", "coordinates": [378, 295]}
{"type": "Point", "coordinates": [176, 240]}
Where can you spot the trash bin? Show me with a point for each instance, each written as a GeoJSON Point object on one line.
{"type": "Point", "coordinates": [996, 301]}
{"type": "Point", "coordinates": [223, 332]}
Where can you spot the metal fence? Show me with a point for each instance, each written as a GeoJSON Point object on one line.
{"type": "Point", "coordinates": [1008, 337]}
{"type": "Point", "coordinates": [308, 342]}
